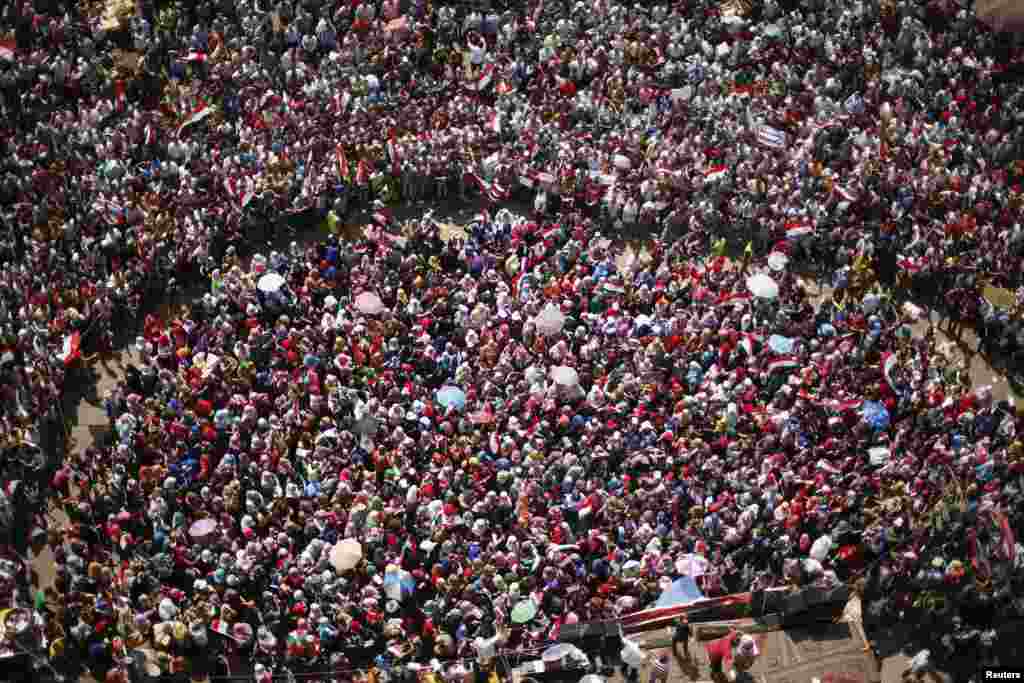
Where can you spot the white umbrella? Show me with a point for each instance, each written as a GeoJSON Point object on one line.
{"type": "Point", "coordinates": [451, 397]}
{"type": "Point", "coordinates": [346, 554]}
{"type": "Point", "coordinates": [270, 283]}
{"type": "Point", "coordinates": [549, 321]}
{"type": "Point", "coordinates": [565, 376]}
{"type": "Point", "coordinates": [692, 565]}
{"type": "Point", "coordinates": [777, 260]}
{"type": "Point", "coordinates": [558, 652]}
{"type": "Point", "coordinates": [762, 286]}
{"type": "Point", "coordinates": [370, 304]}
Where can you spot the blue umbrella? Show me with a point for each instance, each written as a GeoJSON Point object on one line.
{"type": "Point", "coordinates": [876, 415]}
{"type": "Point", "coordinates": [451, 397]}
{"type": "Point", "coordinates": [399, 585]}
{"type": "Point", "coordinates": [781, 345]}
{"type": "Point", "coordinates": [683, 591]}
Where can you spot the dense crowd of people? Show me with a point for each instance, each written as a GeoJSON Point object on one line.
{"type": "Point", "coordinates": [529, 411]}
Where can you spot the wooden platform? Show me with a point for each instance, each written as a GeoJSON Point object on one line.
{"type": "Point", "coordinates": [829, 651]}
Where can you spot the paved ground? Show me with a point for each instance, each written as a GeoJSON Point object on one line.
{"type": "Point", "coordinates": [92, 421]}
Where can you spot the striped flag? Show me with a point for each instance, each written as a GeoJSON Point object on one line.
{"type": "Point", "coordinates": [798, 229]}
{"type": "Point", "coordinates": [494, 124]}
{"type": "Point", "coordinates": [7, 48]}
{"type": "Point", "coordinates": [362, 173]}
{"type": "Point", "coordinates": [782, 364]}
{"type": "Point", "coordinates": [715, 173]}
{"type": "Point", "coordinates": [493, 190]}
{"type": "Point", "coordinates": [196, 117]}
{"type": "Point", "coordinates": [842, 406]}
{"type": "Point", "coordinates": [196, 56]}
{"type": "Point", "coordinates": [770, 137]}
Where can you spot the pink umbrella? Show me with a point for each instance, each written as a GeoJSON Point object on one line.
{"type": "Point", "coordinates": [370, 304]}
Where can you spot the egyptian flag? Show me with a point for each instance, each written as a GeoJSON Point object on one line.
{"type": "Point", "coordinates": [798, 229]}
{"type": "Point", "coordinates": [7, 48]}
{"type": "Point", "coordinates": [339, 152]}
{"type": "Point", "coordinates": [783, 364]}
{"type": "Point", "coordinates": [200, 113]}
{"type": "Point", "coordinates": [196, 56]}
{"type": "Point", "coordinates": [492, 190]}
{"type": "Point", "coordinates": [715, 173]}
{"type": "Point", "coordinates": [72, 349]}
{"type": "Point", "coordinates": [150, 135]}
